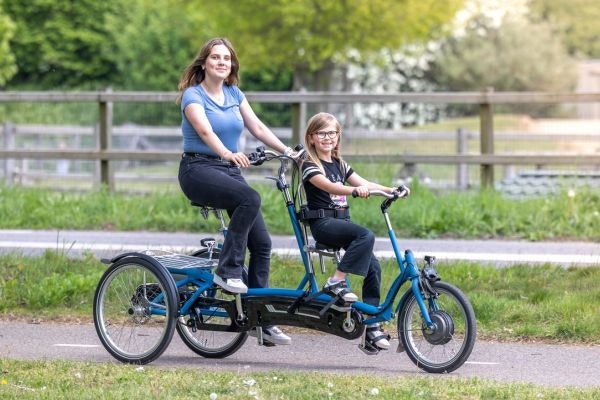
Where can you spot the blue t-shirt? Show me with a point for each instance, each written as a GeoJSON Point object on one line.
{"type": "Point", "coordinates": [226, 120]}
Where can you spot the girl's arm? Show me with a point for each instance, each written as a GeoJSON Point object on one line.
{"type": "Point", "coordinates": [259, 130]}
{"type": "Point", "coordinates": [357, 180]}
{"type": "Point", "coordinates": [321, 182]}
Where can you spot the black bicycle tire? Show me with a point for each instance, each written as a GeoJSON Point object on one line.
{"type": "Point", "coordinates": [470, 331]}
{"type": "Point", "coordinates": [165, 281]}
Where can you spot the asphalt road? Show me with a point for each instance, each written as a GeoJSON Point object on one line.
{"type": "Point", "coordinates": [108, 244]}
{"type": "Point", "coordinates": [545, 365]}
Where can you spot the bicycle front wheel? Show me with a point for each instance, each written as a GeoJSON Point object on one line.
{"type": "Point", "coordinates": [448, 346]}
{"type": "Point", "coordinates": [135, 308]}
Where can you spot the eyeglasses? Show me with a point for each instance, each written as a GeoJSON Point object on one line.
{"type": "Point", "coordinates": [324, 134]}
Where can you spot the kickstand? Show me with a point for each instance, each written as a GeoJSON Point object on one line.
{"type": "Point", "coordinates": [259, 336]}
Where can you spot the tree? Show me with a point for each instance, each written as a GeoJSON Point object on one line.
{"type": "Point", "coordinates": [516, 55]}
{"type": "Point", "coordinates": [313, 36]}
{"type": "Point", "coordinates": [152, 42]}
{"type": "Point", "coordinates": [7, 59]}
{"type": "Point", "coordinates": [576, 21]}
{"type": "Point", "coordinates": [60, 43]}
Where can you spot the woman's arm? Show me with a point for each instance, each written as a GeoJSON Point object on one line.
{"type": "Point", "coordinates": [195, 114]}
{"type": "Point", "coordinates": [259, 130]}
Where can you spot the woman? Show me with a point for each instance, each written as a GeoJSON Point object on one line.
{"type": "Point", "coordinates": [214, 112]}
{"type": "Point", "coordinates": [324, 176]}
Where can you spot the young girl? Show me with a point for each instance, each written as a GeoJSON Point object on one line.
{"type": "Point", "coordinates": [324, 175]}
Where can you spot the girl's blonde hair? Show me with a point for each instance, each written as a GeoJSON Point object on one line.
{"type": "Point", "coordinates": [316, 123]}
{"type": "Point", "coordinates": [194, 73]}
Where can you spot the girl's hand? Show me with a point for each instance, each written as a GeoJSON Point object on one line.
{"type": "Point", "coordinates": [401, 189]}
{"type": "Point", "coordinates": [361, 191]}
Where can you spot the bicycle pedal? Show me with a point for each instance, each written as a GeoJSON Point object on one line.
{"type": "Point", "coordinates": [368, 349]}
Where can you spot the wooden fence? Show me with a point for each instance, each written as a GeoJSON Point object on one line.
{"type": "Point", "coordinates": [104, 153]}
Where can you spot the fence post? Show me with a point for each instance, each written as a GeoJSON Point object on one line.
{"type": "Point", "coordinates": [298, 120]}
{"type": "Point", "coordinates": [9, 144]}
{"type": "Point", "coordinates": [105, 138]}
{"type": "Point", "coordinates": [486, 139]}
{"type": "Point", "coordinates": [462, 170]}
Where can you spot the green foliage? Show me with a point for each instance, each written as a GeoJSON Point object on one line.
{"type": "Point", "coordinates": [7, 59]}
{"type": "Point", "coordinates": [61, 43]}
{"type": "Point", "coordinates": [42, 285]}
{"type": "Point", "coordinates": [501, 57]}
{"type": "Point", "coordinates": [77, 380]}
{"type": "Point", "coordinates": [314, 35]}
{"type": "Point", "coordinates": [424, 214]}
{"type": "Point", "coordinates": [150, 44]}
{"type": "Point", "coordinates": [524, 301]}
{"type": "Point", "coordinates": [575, 21]}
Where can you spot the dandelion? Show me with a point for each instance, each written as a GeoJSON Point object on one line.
{"type": "Point", "coordinates": [374, 391]}
{"type": "Point", "coordinates": [571, 193]}
{"type": "Point", "coordinates": [78, 375]}
{"type": "Point", "coordinates": [213, 396]}
{"type": "Point", "coordinates": [3, 382]}
{"type": "Point", "coordinates": [250, 382]}
{"type": "Point", "coordinates": [329, 385]}
{"type": "Point", "coordinates": [139, 369]}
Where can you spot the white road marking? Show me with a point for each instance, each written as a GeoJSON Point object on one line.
{"type": "Point", "coordinates": [564, 259]}
{"type": "Point", "coordinates": [75, 345]}
{"type": "Point", "coordinates": [481, 363]}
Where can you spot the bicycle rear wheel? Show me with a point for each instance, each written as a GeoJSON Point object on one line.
{"type": "Point", "coordinates": [135, 306]}
{"type": "Point", "coordinates": [449, 346]}
{"type": "Point", "coordinates": [211, 343]}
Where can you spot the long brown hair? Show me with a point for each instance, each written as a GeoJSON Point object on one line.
{"type": "Point", "coordinates": [315, 124]}
{"type": "Point", "coordinates": [194, 73]}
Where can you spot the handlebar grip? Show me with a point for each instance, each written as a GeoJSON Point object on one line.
{"type": "Point", "coordinates": [354, 193]}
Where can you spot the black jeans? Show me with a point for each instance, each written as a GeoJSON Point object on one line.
{"type": "Point", "coordinates": [359, 259]}
{"type": "Point", "coordinates": [216, 183]}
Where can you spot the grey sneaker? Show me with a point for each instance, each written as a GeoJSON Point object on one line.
{"type": "Point", "coordinates": [377, 337]}
{"type": "Point", "coordinates": [339, 288]}
{"type": "Point", "coordinates": [231, 285]}
{"type": "Point", "coordinates": [272, 335]}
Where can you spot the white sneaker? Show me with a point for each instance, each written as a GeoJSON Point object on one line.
{"type": "Point", "coordinates": [272, 334]}
{"type": "Point", "coordinates": [231, 285]}
{"type": "Point", "coordinates": [339, 288]}
{"type": "Point", "coordinates": [378, 337]}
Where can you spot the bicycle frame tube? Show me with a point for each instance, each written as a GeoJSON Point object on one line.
{"type": "Point", "coordinates": [308, 277]}
{"type": "Point", "coordinates": [408, 271]}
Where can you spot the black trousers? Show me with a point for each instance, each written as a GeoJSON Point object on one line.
{"type": "Point", "coordinates": [359, 259]}
{"type": "Point", "coordinates": [216, 183]}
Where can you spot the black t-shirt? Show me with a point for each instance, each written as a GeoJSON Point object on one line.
{"type": "Point", "coordinates": [337, 171]}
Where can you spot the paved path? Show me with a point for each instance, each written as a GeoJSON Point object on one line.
{"type": "Point", "coordinates": [108, 244]}
{"type": "Point", "coordinates": [545, 365]}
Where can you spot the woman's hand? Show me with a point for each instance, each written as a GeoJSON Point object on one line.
{"type": "Point", "coordinates": [240, 159]}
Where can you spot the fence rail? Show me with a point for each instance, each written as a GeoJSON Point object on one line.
{"type": "Point", "coordinates": [104, 153]}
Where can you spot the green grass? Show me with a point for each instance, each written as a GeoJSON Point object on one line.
{"type": "Point", "coordinates": [515, 303]}
{"type": "Point", "coordinates": [75, 380]}
{"type": "Point", "coordinates": [425, 214]}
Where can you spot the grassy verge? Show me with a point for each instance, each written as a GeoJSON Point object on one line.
{"type": "Point", "coordinates": [424, 214]}
{"type": "Point", "coordinates": [546, 302]}
{"type": "Point", "coordinates": [59, 379]}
